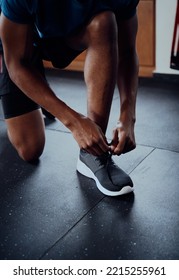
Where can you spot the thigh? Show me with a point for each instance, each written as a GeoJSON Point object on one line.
{"type": "Point", "coordinates": [25, 124]}
{"type": "Point", "coordinates": [124, 10]}
{"type": "Point", "coordinates": [24, 119]}
{"type": "Point", "coordinates": [16, 103]}
{"type": "Point", "coordinates": [27, 131]}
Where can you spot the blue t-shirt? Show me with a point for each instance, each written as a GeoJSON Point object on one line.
{"type": "Point", "coordinates": [59, 18]}
{"type": "Point", "coordinates": [51, 17]}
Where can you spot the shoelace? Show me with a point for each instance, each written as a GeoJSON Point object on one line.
{"type": "Point", "coordinates": [103, 159]}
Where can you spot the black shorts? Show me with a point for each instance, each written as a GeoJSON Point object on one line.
{"type": "Point", "coordinates": [123, 9]}
{"type": "Point", "coordinates": [14, 101]}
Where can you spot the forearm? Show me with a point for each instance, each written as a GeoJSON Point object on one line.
{"type": "Point", "coordinates": [127, 81]}
{"type": "Point", "coordinates": [17, 42]}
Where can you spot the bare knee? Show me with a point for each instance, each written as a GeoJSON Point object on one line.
{"type": "Point", "coordinates": [30, 153]}
{"type": "Point", "coordinates": [28, 149]}
{"type": "Point", "coordinates": [103, 27]}
{"type": "Point", "coordinates": [27, 134]}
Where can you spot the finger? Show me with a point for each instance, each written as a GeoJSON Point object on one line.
{"type": "Point", "coordinates": [98, 148]}
{"type": "Point", "coordinates": [114, 141]}
{"type": "Point", "coordinates": [129, 146]}
{"type": "Point", "coordinates": [101, 148]}
{"type": "Point", "coordinates": [92, 151]}
{"type": "Point", "coordinates": [103, 144]}
{"type": "Point", "coordinates": [121, 144]}
{"type": "Point", "coordinates": [95, 151]}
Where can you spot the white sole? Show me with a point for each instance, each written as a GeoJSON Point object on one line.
{"type": "Point", "coordinates": [84, 170]}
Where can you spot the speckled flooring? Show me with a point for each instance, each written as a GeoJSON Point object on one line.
{"type": "Point", "coordinates": [49, 211]}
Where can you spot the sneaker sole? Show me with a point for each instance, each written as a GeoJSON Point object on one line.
{"type": "Point", "coordinates": [86, 171]}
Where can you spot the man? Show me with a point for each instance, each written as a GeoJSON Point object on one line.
{"type": "Point", "coordinates": [58, 31]}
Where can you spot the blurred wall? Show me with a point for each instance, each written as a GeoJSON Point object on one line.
{"type": "Point", "coordinates": [165, 18]}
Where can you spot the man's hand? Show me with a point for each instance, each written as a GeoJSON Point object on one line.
{"type": "Point", "coordinates": [123, 139]}
{"type": "Point", "coordinates": [89, 136]}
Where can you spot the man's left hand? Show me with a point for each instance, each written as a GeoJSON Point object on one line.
{"type": "Point", "coordinates": [123, 139]}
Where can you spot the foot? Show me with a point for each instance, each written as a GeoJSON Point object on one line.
{"type": "Point", "coordinates": [109, 178]}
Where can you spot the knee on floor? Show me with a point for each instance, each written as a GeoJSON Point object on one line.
{"type": "Point", "coordinates": [29, 149]}
{"type": "Point", "coordinates": [30, 153]}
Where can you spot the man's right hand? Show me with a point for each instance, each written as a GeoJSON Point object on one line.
{"type": "Point", "coordinates": [89, 136]}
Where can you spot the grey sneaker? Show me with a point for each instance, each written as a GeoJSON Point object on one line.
{"type": "Point", "coordinates": [109, 178]}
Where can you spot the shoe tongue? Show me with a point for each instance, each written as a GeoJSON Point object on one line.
{"type": "Point", "coordinates": [103, 159]}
